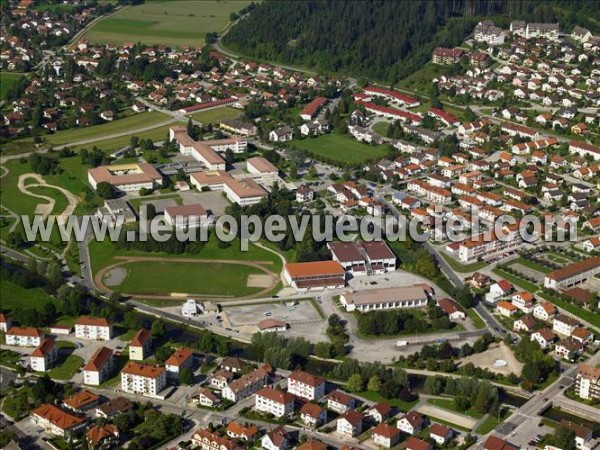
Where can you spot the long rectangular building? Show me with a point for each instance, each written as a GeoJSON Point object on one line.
{"type": "Point", "coordinates": [126, 177]}
{"type": "Point", "coordinates": [415, 296]}
{"type": "Point", "coordinates": [573, 274]}
{"type": "Point", "coordinates": [241, 191]}
{"type": "Point", "coordinates": [315, 275]}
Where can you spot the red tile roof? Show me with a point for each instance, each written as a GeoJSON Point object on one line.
{"type": "Point", "coordinates": [57, 416]}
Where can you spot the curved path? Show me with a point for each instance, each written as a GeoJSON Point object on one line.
{"type": "Point", "coordinates": [122, 260]}
{"type": "Point", "coordinates": [46, 209]}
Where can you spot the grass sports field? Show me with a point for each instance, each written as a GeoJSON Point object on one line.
{"type": "Point", "coordinates": [190, 276]}
{"type": "Point", "coordinates": [152, 277]}
{"type": "Point", "coordinates": [215, 115]}
{"type": "Point", "coordinates": [7, 79]}
{"type": "Point", "coordinates": [342, 148]}
{"type": "Point", "coordinates": [175, 23]}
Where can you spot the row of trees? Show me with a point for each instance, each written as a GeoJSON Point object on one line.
{"type": "Point", "coordinates": [396, 321]}
{"type": "Point", "coordinates": [468, 393]}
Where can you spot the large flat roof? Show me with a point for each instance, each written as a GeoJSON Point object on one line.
{"type": "Point", "coordinates": [141, 173]}
{"type": "Point", "coordinates": [387, 295]}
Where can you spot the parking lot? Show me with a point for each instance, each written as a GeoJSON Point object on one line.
{"type": "Point", "coordinates": [303, 311]}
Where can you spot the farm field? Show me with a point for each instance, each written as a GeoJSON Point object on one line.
{"type": "Point", "coordinates": [215, 115]}
{"type": "Point", "coordinates": [341, 148]}
{"type": "Point", "coordinates": [174, 23]}
{"type": "Point", "coordinates": [66, 137]}
{"type": "Point", "coordinates": [7, 79]}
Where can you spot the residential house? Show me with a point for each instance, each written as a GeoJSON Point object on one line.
{"type": "Point", "coordinates": [99, 367]}
{"type": "Point", "coordinates": [385, 435]}
{"type": "Point", "coordinates": [93, 328]}
{"type": "Point", "coordinates": [206, 397]}
{"type": "Point", "coordinates": [506, 309]}
{"type": "Point", "coordinates": [180, 359]}
{"type": "Point", "coordinates": [411, 422]}
{"type": "Point", "coordinates": [24, 337]}
{"type": "Point", "coordinates": [350, 423]}
{"type": "Point", "coordinates": [564, 324]}
{"type": "Point", "coordinates": [276, 439]}
{"type": "Point", "coordinates": [140, 345]}
{"type": "Point", "coordinates": [440, 434]}
{"type": "Point", "coordinates": [305, 385]}
{"type": "Point", "coordinates": [312, 414]}
{"type": "Point", "coordinates": [44, 356]}
{"type": "Point", "coordinates": [544, 337]}
{"type": "Point", "coordinates": [56, 421]}
{"type": "Point", "coordinates": [340, 402]}
{"type": "Point", "coordinates": [544, 310]}
{"type": "Point", "coordinates": [414, 443]}
{"type": "Point", "coordinates": [144, 379]}
{"type": "Point", "coordinates": [568, 349]}
{"type": "Point", "coordinates": [102, 436]}
{"type": "Point", "coordinates": [273, 401]}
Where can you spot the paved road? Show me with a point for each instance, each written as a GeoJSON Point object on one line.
{"type": "Point", "coordinates": [5, 251]}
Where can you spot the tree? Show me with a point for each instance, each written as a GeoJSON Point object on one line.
{"type": "Point", "coordinates": [161, 354]}
{"type": "Point", "coordinates": [355, 383]}
{"type": "Point", "coordinates": [159, 329]}
{"type": "Point", "coordinates": [293, 170]}
{"type": "Point", "coordinates": [186, 376]}
{"type": "Point", "coordinates": [564, 439]}
{"type": "Point", "coordinates": [374, 384]}
{"type": "Point", "coordinates": [106, 190]}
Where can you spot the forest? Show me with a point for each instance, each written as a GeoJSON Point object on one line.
{"type": "Point", "coordinates": [382, 39]}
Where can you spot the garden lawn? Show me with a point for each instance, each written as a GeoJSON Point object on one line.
{"type": "Point", "coordinates": [7, 80]}
{"type": "Point", "coordinates": [377, 397]}
{"type": "Point", "coordinates": [341, 148]}
{"type": "Point", "coordinates": [449, 405]}
{"type": "Point", "coordinates": [381, 128]}
{"type": "Point", "coordinates": [421, 80]}
{"type": "Point", "coordinates": [216, 115]}
{"type": "Point", "coordinates": [9, 358]}
{"type": "Point", "coordinates": [153, 277]}
{"type": "Point", "coordinates": [66, 368]}
{"type": "Point", "coordinates": [491, 422]}
{"type": "Point", "coordinates": [475, 318]}
{"type": "Point", "coordinates": [175, 23]}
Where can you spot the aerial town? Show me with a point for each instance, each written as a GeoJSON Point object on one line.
{"type": "Point", "coordinates": [128, 112]}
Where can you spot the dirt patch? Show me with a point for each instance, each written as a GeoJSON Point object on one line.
{"type": "Point", "coordinates": [496, 352]}
{"type": "Point", "coordinates": [45, 209]}
{"type": "Point", "coordinates": [259, 281]}
{"type": "Point", "coordinates": [447, 416]}
{"type": "Point", "coordinates": [115, 277]}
